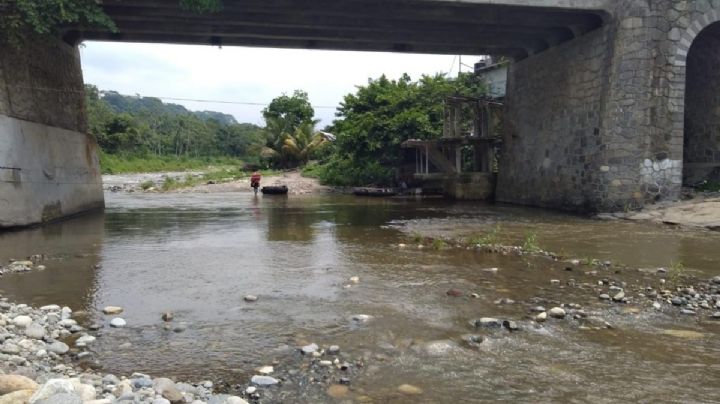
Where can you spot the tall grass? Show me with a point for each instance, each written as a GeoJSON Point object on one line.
{"type": "Point", "coordinates": [121, 164]}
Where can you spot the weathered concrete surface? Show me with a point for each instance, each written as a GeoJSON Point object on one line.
{"type": "Point", "coordinates": [48, 166]}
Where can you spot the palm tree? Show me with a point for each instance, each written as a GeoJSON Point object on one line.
{"type": "Point", "coordinates": [303, 142]}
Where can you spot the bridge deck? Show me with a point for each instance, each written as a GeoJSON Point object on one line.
{"type": "Point", "coordinates": [417, 26]}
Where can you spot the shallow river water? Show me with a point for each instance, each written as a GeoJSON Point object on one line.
{"type": "Point", "coordinates": [198, 255]}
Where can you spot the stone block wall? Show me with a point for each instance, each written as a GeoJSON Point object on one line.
{"type": "Point", "coordinates": [49, 166]}
{"type": "Point", "coordinates": [553, 125]}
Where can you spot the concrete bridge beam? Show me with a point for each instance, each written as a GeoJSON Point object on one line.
{"type": "Point", "coordinates": [48, 164]}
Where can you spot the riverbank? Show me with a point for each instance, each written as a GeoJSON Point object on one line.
{"type": "Point", "coordinates": [702, 211]}
{"type": "Point", "coordinates": [221, 182]}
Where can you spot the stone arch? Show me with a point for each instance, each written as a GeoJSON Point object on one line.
{"type": "Point", "coordinates": [696, 109]}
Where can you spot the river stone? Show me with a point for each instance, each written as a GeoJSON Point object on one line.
{"type": "Point", "coordinates": [556, 312]}
{"type": "Point", "coordinates": [333, 350]}
{"type": "Point", "coordinates": [511, 325]}
{"type": "Point", "coordinates": [167, 389]}
{"type": "Point", "coordinates": [35, 331]}
{"type": "Point", "coordinates": [604, 296]}
{"type": "Point", "coordinates": [160, 401]}
{"type": "Point", "coordinates": [250, 298]}
{"type": "Point", "coordinates": [167, 316]}
{"type": "Point", "coordinates": [51, 388]}
{"type": "Point", "coordinates": [226, 399]}
{"type": "Point", "coordinates": [537, 309]}
{"type": "Point", "coordinates": [264, 380]}
{"type": "Point", "coordinates": [11, 383]}
{"type": "Point", "coordinates": [58, 347]}
{"type": "Point", "coordinates": [657, 306]}
{"type": "Point", "coordinates": [361, 318]}
{"type": "Point", "coordinates": [309, 349]}
{"type": "Point", "coordinates": [676, 301]}
{"type": "Point", "coordinates": [22, 321]}
{"type": "Point", "coordinates": [85, 391]}
{"type": "Point", "coordinates": [112, 310]}
{"type": "Point", "coordinates": [409, 389]}
{"type": "Point", "coordinates": [488, 322]}
{"type": "Point", "coordinates": [84, 340]}
{"type": "Point", "coordinates": [62, 398]}
{"type": "Point", "coordinates": [118, 322]}
{"type": "Point", "coordinates": [541, 317]}
{"type": "Point", "coordinates": [17, 397]}
{"type": "Point", "coordinates": [716, 280]}
{"type": "Point", "coordinates": [619, 297]}
{"type": "Point", "coordinates": [50, 307]}
{"type": "Point", "coordinates": [266, 370]}
{"type": "Point", "coordinates": [10, 349]}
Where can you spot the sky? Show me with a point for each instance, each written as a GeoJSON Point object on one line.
{"type": "Point", "coordinates": [247, 75]}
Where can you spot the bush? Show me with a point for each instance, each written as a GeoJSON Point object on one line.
{"type": "Point", "coordinates": [345, 172]}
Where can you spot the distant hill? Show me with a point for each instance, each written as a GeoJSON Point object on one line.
{"type": "Point", "coordinates": [137, 105]}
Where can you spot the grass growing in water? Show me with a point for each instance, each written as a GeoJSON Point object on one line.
{"type": "Point", "coordinates": [439, 244]}
{"type": "Point", "coordinates": [491, 238]}
{"type": "Point", "coordinates": [676, 271]}
{"type": "Point", "coordinates": [531, 244]}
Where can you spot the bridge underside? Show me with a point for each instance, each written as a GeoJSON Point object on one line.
{"type": "Point", "coordinates": [415, 26]}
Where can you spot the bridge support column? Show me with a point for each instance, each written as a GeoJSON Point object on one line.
{"type": "Point", "coordinates": [49, 165]}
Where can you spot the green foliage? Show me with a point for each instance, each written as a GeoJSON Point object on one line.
{"type": "Point", "coordinates": [491, 238]}
{"type": "Point", "coordinates": [530, 244]}
{"type": "Point", "coordinates": [144, 126]}
{"type": "Point", "coordinates": [708, 186]}
{"type": "Point", "coordinates": [124, 163]}
{"type": "Point", "coordinates": [675, 274]}
{"type": "Point", "coordinates": [45, 17]}
{"type": "Point", "coordinates": [202, 6]}
{"type": "Point", "coordinates": [439, 244]}
{"type": "Point", "coordinates": [375, 121]}
{"type": "Point", "coordinates": [289, 112]}
{"type": "Point", "coordinates": [147, 185]}
{"type": "Point", "coordinates": [290, 137]}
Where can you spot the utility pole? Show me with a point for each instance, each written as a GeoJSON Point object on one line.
{"type": "Point", "coordinates": [459, 65]}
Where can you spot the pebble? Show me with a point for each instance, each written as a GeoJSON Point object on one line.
{"type": "Point", "coordinates": [409, 389]}
{"type": "Point", "coordinates": [555, 281]}
{"type": "Point", "coordinates": [22, 321]}
{"type": "Point", "coordinates": [556, 312]}
{"type": "Point", "coordinates": [716, 315]}
{"type": "Point", "coordinates": [361, 318]}
{"type": "Point", "coordinates": [118, 322]}
{"type": "Point", "coordinates": [250, 390]}
{"type": "Point", "coordinates": [266, 370]}
{"type": "Point", "coordinates": [112, 310]}
{"type": "Point", "coordinates": [264, 380]}
{"type": "Point", "coordinates": [250, 298]}
{"type": "Point", "coordinates": [657, 306]}
{"type": "Point", "coordinates": [333, 350]}
{"type": "Point", "coordinates": [355, 279]}
{"type": "Point", "coordinates": [537, 309]}
{"type": "Point", "coordinates": [35, 331]}
{"type": "Point", "coordinates": [454, 292]}
{"type": "Point", "coordinates": [167, 316]}
{"type": "Point", "coordinates": [58, 347]}
{"type": "Point", "coordinates": [619, 297]}
{"type": "Point", "coordinates": [309, 349]}
{"type": "Point", "coordinates": [604, 296]}
{"type": "Point", "coordinates": [541, 317]}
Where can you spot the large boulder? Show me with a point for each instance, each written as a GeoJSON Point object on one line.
{"type": "Point", "coordinates": [12, 383]}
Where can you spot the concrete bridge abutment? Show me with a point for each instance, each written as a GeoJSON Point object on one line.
{"type": "Point", "coordinates": [49, 165]}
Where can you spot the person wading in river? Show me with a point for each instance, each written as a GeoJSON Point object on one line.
{"type": "Point", "coordinates": [255, 181]}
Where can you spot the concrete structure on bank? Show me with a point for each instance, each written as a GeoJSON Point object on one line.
{"type": "Point", "coordinates": [610, 103]}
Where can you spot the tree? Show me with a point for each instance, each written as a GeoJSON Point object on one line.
{"type": "Point", "coordinates": [290, 111]}
{"type": "Point", "coordinates": [373, 123]}
{"type": "Point", "coordinates": [302, 143]}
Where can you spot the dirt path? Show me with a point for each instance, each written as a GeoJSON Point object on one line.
{"type": "Point", "coordinates": [296, 183]}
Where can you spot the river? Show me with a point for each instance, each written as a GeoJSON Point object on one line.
{"type": "Point", "coordinates": [198, 255]}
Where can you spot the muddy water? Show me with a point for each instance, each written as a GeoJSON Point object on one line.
{"type": "Point", "coordinates": [198, 255]}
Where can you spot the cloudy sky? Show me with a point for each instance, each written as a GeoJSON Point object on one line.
{"type": "Point", "coordinates": [250, 75]}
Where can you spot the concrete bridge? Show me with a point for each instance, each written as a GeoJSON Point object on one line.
{"type": "Point", "coordinates": [610, 105]}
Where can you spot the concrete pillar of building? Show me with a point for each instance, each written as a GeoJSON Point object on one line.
{"type": "Point", "coordinates": [49, 167]}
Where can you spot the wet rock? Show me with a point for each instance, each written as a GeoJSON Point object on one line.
{"type": "Point", "coordinates": [474, 295]}
{"type": "Point", "coordinates": [85, 340]}
{"type": "Point", "coordinates": [676, 301]}
{"type": "Point", "coordinates": [180, 328]}
{"type": "Point", "coordinates": [604, 296]}
{"type": "Point", "coordinates": [555, 281]}
{"type": "Point", "coordinates": [361, 318]}
{"type": "Point", "coordinates": [688, 312]}
{"type": "Point", "coordinates": [354, 279]}
{"type": "Point", "coordinates": [409, 389]}
{"type": "Point", "coordinates": [716, 316]}
{"type": "Point", "coordinates": [264, 380]}
{"type": "Point", "coordinates": [266, 370]}
{"type": "Point", "coordinates": [118, 322]}
{"type": "Point", "coordinates": [716, 280]}
{"type": "Point", "coordinates": [537, 309]}
{"type": "Point", "coordinates": [619, 297]}
{"type": "Point", "coordinates": [511, 325]}
{"type": "Point", "coordinates": [166, 388]}
{"type": "Point", "coordinates": [657, 306]}
{"type": "Point", "coordinates": [58, 347]}
{"type": "Point", "coordinates": [541, 317]}
{"type": "Point", "coordinates": [557, 312]}
{"type": "Point", "coordinates": [488, 322]}
{"type": "Point", "coordinates": [473, 338]}
{"type": "Point", "coordinates": [35, 331]}
{"type": "Point", "coordinates": [112, 310]}
{"type": "Point", "coordinates": [167, 316]}
{"type": "Point", "coordinates": [309, 349]}
{"type": "Point", "coordinates": [454, 292]}
{"type": "Point", "coordinates": [250, 298]}
{"type": "Point", "coordinates": [333, 350]}
{"type": "Point", "coordinates": [11, 383]}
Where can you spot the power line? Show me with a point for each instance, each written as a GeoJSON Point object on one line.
{"type": "Point", "coordinates": [74, 91]}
